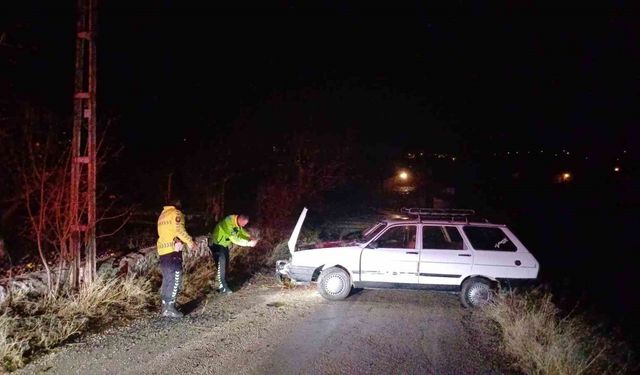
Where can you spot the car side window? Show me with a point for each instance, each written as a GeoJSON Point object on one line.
{"type": "Point", "coordinates": [400, 237]}
{"type": "Point", "coordinates": [441, 238]}
{"type": "Point", "coordinates": [488, 238]}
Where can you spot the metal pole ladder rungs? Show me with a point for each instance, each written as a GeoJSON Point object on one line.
{"type": "Point", "coordinates": [83, 149]}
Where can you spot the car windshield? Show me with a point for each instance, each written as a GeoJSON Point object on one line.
{"type": "Point", "coordinates": [367, 234]}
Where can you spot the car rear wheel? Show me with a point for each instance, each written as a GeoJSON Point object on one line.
{"type": "Point", "coordinates": [334, 284]}
{"type": "Point", "coordinates": [475, 292]}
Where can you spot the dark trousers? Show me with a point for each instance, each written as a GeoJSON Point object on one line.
{"type": "Point", "coordinates": [221, 258]}
{"type": "Point", "coordinates": [171, 267]}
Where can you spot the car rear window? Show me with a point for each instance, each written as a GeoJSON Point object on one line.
{"type": "Point", "coordinates": [488, 238]}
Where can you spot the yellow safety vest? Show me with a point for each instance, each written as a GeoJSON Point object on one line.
{"type": "Point", "coordinates": [170, 227]}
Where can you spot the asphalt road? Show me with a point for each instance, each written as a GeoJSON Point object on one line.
{"type": "Point", "coordinates": [265, 329]}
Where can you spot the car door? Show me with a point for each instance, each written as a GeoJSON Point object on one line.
{"type": "Point", "coordinates": [499, 254]}
{"type": "Point", "coordinates": [392, 257]}
{"type": "Point", "coordinates": [444, 257]}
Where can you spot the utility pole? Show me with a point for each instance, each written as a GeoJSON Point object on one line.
{"type": "Point", "coordinates": [83, 149]}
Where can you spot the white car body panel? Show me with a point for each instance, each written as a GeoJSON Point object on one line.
{"type": "Point", "coordinates": [445, 267]}
{"type": "Point", "coordinates": [390, 265]}
{"type": "Point", "coordinates": [519, 264]}
{"type": "Point", "coordinates": [347, 257]}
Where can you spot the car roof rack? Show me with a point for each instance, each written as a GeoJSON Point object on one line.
{"type": "Point", "coordinates": [438, 213]}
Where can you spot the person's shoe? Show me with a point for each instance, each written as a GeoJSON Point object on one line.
{"type": "Point", "coordinates": [224, 290]}
{"type": "Point", "coordinates": [169, 310]}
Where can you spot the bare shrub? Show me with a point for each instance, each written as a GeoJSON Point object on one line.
{"type": "Point", "coordinates": [543, 341]}
{"type": "Point", "coordinates": [312, 166]}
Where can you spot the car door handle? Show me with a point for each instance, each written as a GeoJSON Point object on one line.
{"type": "Point", "coordinates": [412, 252]}
{"type": "Point", "coordinates": [464, 255]}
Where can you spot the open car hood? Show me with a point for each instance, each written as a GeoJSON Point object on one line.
{"type": "Point", "coordinates": [296, 232]}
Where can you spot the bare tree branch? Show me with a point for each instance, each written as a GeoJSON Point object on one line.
{"type": "Point", "coordinates": [124, 222]}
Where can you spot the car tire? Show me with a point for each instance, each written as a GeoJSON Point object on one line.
{"type": "Point", "coordinates": [475, 292]}
{"type": "Point", "coordinates": [334, 284]}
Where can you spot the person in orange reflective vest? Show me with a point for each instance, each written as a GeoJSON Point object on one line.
{"type": "Point", "coordinates": [172, 239]}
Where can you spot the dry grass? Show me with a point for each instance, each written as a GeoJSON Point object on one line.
{"type": "Point", "coordinates": [11, 347]}
{"type": "Point", "coordinates": [288, 283]}
{"type": "Point", "coordinates": [32, 325]}
{"type": "Point", "coordinates": [198, 278]}
{"type": "Point", "coordinates": [543, 341]}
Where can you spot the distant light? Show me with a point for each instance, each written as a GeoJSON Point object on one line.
{"type": "Point", "coordinates": [453, 158]}
{"type": "Point", "coordinates": [563, 177]}
{"type": "Point", "coordinates": [541, 151]}
{"type": "Point", "coordinates": [568, 153]}
{"type": "Point", "coordinates": [403, 175]}
{"type": "Point", "coordinates": [624, 151]}
{"type": "Point", "coordinates": [184, 140]}
{"type": "Point", "coordinates": [616, 169]}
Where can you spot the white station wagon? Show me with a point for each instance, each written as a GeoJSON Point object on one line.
{"type": "Point", "coordinates": [427, 249]}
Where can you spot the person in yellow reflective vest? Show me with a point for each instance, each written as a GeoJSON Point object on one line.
{"type": "Point", "coordinates": [172, 239]}
{"type": "Point", "coordinates": [229, 230]}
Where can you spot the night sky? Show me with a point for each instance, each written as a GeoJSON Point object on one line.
{"type": "Point", "coordinates": [467, 79]}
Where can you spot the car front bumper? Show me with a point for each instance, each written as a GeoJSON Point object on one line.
{"type": "Point", "coordinates": [299, 274]}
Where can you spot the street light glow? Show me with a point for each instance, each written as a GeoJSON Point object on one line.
{"type": "Point", "coordinates": [564, 177]}
{"type": "Point", "coordinates": [403, 175]}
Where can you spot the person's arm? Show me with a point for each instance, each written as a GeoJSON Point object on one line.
{"type": "Point", "coordinates": [242, 238]}
{"type": "Point", "coordinates": [181, 232]}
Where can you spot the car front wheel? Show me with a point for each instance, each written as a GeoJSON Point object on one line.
{"type": "Point", "coordinates": [475, 292]}
{"type": "Point", "coordinates": [334, 284]}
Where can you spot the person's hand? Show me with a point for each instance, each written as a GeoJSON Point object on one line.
{"type": "Point", "coordinates": [194, 245]}
{"type": "Point", "coordinates": [253, 243]}
{"type": "Point", "coordinates": [178, 246]}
